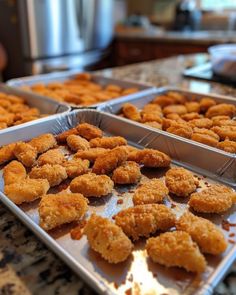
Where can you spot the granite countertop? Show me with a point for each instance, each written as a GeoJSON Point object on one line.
{"type": "Point", "coordinates": [26, 265]}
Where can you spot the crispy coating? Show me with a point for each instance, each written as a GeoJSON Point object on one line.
{"type": "Point", "coordinates": [76, 167]}
{"type": "Point", "coordinates": [218, 119]}
{"type": "Point", "coordinates": [176, 109]}
{"type": "Point", "coordinates": [206, 103]}
{"type": "Point", "coordinates": [26, 190]}
{"type": "Point", "coordinates": [209, 238]}
{"type": "Point", "coordinates": [7, 153]}
{"type": "Point", "coordinates": [92, 185]}
{"type": "Point", "coordinates": [191, 116]}
{"type": "Point", "coordinates": [163, 100]}
{"type": "Point", "coordinates": [151, 117]}
{"type": "Point", "coordinates": [25, 153]}
{"type": "Point", "coordinates": [107, 239]}
{"type": "Point", "coordinates": [108, 142]}
{"type": "Point", "coordinates": [150, 158]}
{"type": "Point", "coordinates": [152, 191]}
{"type": "Point", "coordinates": [178, 97]}
{"type": "Point", "coordinates": [215, 199]}
{"type": "Point", "coordinates": [51, 157]}
{"type": "Point", "coordinates": [228, 146]}
{"type": "Point", "coordinates": [154, 124]}
{"type": "Point", "coordinates": [76, 142]}
{"type": "Point", "coordinates": [201, 123]}
{"type": "Point", "coordinates": [13, 172]}
{"type": "Point", "coordinates": [180, 182]}
{"type": "Point", "coordinates": [106, 163]}
{"type": "Point", "coordinates": [129, 172]}
{"type": "Point", "coordinates": [88, 131]}
{"type": "Point", "coordinates": [61, 138]}
{"type": "Point", "coordinates": [43, 142]}
{"type": "Point", "coordinates": [222, 109]}
{"type": "Point", "coordinates": [180, 129]}
{"type": "Point", "coordinates": [58, 209]}
{"type": "Point", "coordinates": [143, 220]}
{"type": "Point", "coordinates": [7, 118]}
{"type": "Point", "coordinates": [176, 249]}
{"type": "Point", "coordinates": [55, 174]}
{"type": "Point", "coordinates": [225, 132]}
{"type": "Point", "coordinates": [205, 136]}
{"type": "Point", "coordinates": [152, 108]}
{"type": "Point", "coordinates": [92, 154]}
{"type": "Point", "coordinates": [131, 112]}
{"type": "Point", "coordinates": [193, 106]}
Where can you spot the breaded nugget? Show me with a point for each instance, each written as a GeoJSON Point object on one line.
{"type": "Point", "coordinates": [176, 109]}
{"type": "Point", "coordinates": [61, 138]}
{"type": "Point", "coordinates": [193, 106]}
{"type": "Point", "coordinates": [131, 112]}
{"type": "Point", "coordinates": [201, 123]}
{"type": "Point", "coordinates": [26, 190]}
{"type": "Point", "coordinates": [43, 142]}
{"type": "Point", "coordinates": [150, 158]}
{"type": "Point", "coordinates": [152, 108]}
{"type": "Point", "coordinates": [143, 220]}
{"type": "Point", "coordinates": [174, 117]}
{"type": "Point", "coordinates": [205, 136]}
{"type": "Point", "coordinates": [92, 185]}
{"type": "Point", "coordinates": [108, 142]}
{"type": "Point", "coordinates": [163, 100]}
{"type": "Point", "coordinates": [107, 239]}
{"type": "Point", "coordinates": [176, 249]}
{"type": "Point", "coordinates": [7, 153]}
{"type": "Point", "coordinates": [76, 167]}
{"type": "Point", "coordinates": [7, 119]}
{"type": "Point", "coordinates": [209, 238]}
{"type": "Point", "coordinates": [3, 125]}
{"type": "Point", "coordinates": [88, 131]}
{"type": "Point", "coordinates": [76, 142]}
{"type": "Point", "coordinates": [92, 154]}
{"type": "Point", "coordinates": [228, 146]}
{"type": "Point", "coordinates": [206, 103]}
{"type": "Point", "coordinates": [215, 199]}
{"type": "Point", "coordinates": [55, 174]}
{"type": "Point", "coordinates": [51, 157]}
{"type": "Point", "coordinates": [58, 209]}
{"type": "Point", "coordinates": [152, 191]}
{"type": "Point", "coordinates": [222, 109]}
{"type": "Point", "coordinates": [180, 182]}
{"type": "Point", "coordinates": [154, 124]}
{"type": "Point", "coordinates": [180, 129]}
{"type": "Point", "coordinates": [217, 120]}
{"type": "Point", "coordinates": [129, 172]}
{"type": "Point", "coordinates": [106, 163]}
{"type": "Point", "coordinates": [191, 116]}
{"type": "Point", "coordinates": [128, 91]}
{"type": "Point", "coordinates": [225, 132]}
{"type": "Point", "coordinates": [151, 117]}
{"type": "Point", "coordinates": [25, 153]}
{"type": "Point", "coordinates": [179, 98]}
{"type": "Point", "coordinates": [13, 172]}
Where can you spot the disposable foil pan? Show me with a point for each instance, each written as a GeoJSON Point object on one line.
{"type": "Point", "coordinates": [139, 273]}
{"type": "Point", "coordinates": [65, 75]}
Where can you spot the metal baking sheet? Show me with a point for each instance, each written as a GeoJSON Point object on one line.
{"type": "Point", "coordinates": [65, 75]}
{"type": "Point", "coordinates": [138, 275]}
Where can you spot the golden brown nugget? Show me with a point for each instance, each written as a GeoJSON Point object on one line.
{"type": "Point", "coordinates": [61, 138]}
{"type": "Point", "coordinates": [13, 172]}
{"type": "Point", "coordinates": [43, 142]}
{"type": "Point", "coordinates": [92, 154]}
{"type": "Point", "coordinates": [108, 142]}
{"type": "Point", "coordinates": [106, 163]}
{"type": "Point", "coordinates": [209, 238]}
{"type": "Point", "coordinates": [205, 136]}
{"type": "Point", "coordinates": [176, 109]}
{"type": "Point", "coordinates": [176, 249]}
{"type": "Point", "coordinates": [55, 174]}
{"type": "Point", "coordinates": [7, 119]}
{"type": "Point", "coordinates": [111, 87]}
{"type": "Point", "coordinates": [215, 199]}
{"type": "Point", "coordinates": [128, 173]}
{"type": "Point", "coordinates": [92, 185]}
{"type": "Point", "coordinates": [152, 108]}
{"type": "Point", "coordinates": [152, 191]}
{"type": "Point", "coordinates": [131, 112]}
{"type": "Point", "coordinates": [192, 106]}
{"type": "Point", "coordinates": [163, 100]}
{"type": "Point", "coordinates": [76, 167]}
{"type": "Point", "coordinates": [150, 158]}
{"type": "Point", "coordinates": [174, 117]}
{"type": "Point", "coordinates": [128, 91]}
{"type": "Point", "coordinates": [180, 182]}
{"type": "Point", "coordinates": [206, 103]}
{"type": "Point", "coordinates": [26, 190]}
{"type": "Point", "coordinates": [76, 142]}
{"type": "Point", "coordinates": [180, 129]}
{"type": "Point", "coordinates": [217, 120]}
{"type": "Point", "coordinates": [154, 124]}
{"type": "Point", "coordinates": [222, 109]}
{"type": "Point", "coordinates": [88, 131]}
{"type": "Point", "coordinates": [178, 97]}
{"type": "Point", "coordinates": [3, 125]}
{"type": "Point", "coordinates": [166, 122]}
{"type": "Point", "coordinates": [51, 157]}
{"type": "Point", "coordinates": [151, 117]}
{"type": "Point", "coordinates": [225, 132]}
{"type": "Point", "coordinates": [144, 220]}
{"type": "Point", "coordinates": [25, 153]}
{"type": "Point", "coordinates": [58, 209]}
{"type": "Point", "coordinates": [227, 146]}
{"type": "Point", "coordinates": [107, 239]}
{"type": "Point", "coordinates": [7, 153]}
{"type": "Point", "coordinates": [191, 116]}
{"type": "Point", "coordinates": [201, 123]}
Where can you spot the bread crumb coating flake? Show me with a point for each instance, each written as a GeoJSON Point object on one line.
{"type": "Point", "coordinates": [13, 172]}
{"type": "Point", "coordinates": [107, 239]}
{"type": "Point", "coordinates": [128, 173]}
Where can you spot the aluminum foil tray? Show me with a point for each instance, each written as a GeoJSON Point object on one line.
{"type": "Point", "coordinates": [138, 275]}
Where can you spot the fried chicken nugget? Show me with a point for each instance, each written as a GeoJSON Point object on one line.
{"type": "Point", "coordinates": [215, 199]}
{"type": "Point", "coordinates": [176, 109]}
{"type": "Point", "coordinates": [150, 158]}
{"type": "Point", "coordinates": [58, 209]}
{"type": "Point", "coordinates": [176, 249]}
{"type": "Point", "coordinates": [26, 190]}
{"type": "Point", "coordinates": [88, 131]}
{"type": "Point", "coordinates": [92, 185]}
{"type": "Point", "coordinates": [205, 136]}
{"type": "Point", "coordinates": [225, 132]}
{"type": "Point", "coordinates": [7, 153]}
{"type": "Point", "coordinates": [152, 191]}
{"type": "Point", "coordinates": [129, 172]}
{"type": "Point", "coordinates": [143, 220]}
{"type": "Point", "coordinates": [61, 138]}
{"type": "Point", "coordinates": [201, 123]}
{"type": "Point", "coordinates": [106, 163]}
{"type": "Point", "coordinates": [76, 167]}
{"type": "Point", "coordinates": [51, 157]}
{"type": "Point", "coordinates": [209, 238]}
{"type": "Point", "coordinates": [192, 106]}
{"type": "Point", "coordinates": [13, 172]}
{"type": "Point", "coordinates": [180, 182]}
{"type": "Point", "coordinates": [25, 153]}
{"type": "Point", "coordinates": [180, 129]}
{"type": "Point", "coordinates": [107, 239]}
{"type": "Point", "coordinates": [163, 100]}
{"type": "Point", "coordinates": [55, 174]}
{"type": "Point", "coordinates": [43, 142]}
{"type": "Point", "coordinates": [228, 146]}
{"type": "Point", "coordinates": [154, 124]}
{"type": "Point", "coordinates": [222, 109]}
{"type": "Point", "coordinates": [76, 142]}
{"type": "Point", "coordinates": [191, 116]}
{"type": "Point", "coordinates": [131, 112]}
{"type": "Point", "coordinates": [206, 103]}
{"type": "Point", "coordinates": [92, 154]}
{"type": "Point", "coordinates": [108, 142]}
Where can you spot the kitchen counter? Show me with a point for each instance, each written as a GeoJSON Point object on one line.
{"type": "Point", "coordinates": [26, 265]}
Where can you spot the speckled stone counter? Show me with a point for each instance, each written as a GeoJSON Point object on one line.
{"type": "Point", "coordinates": [26, 265]}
